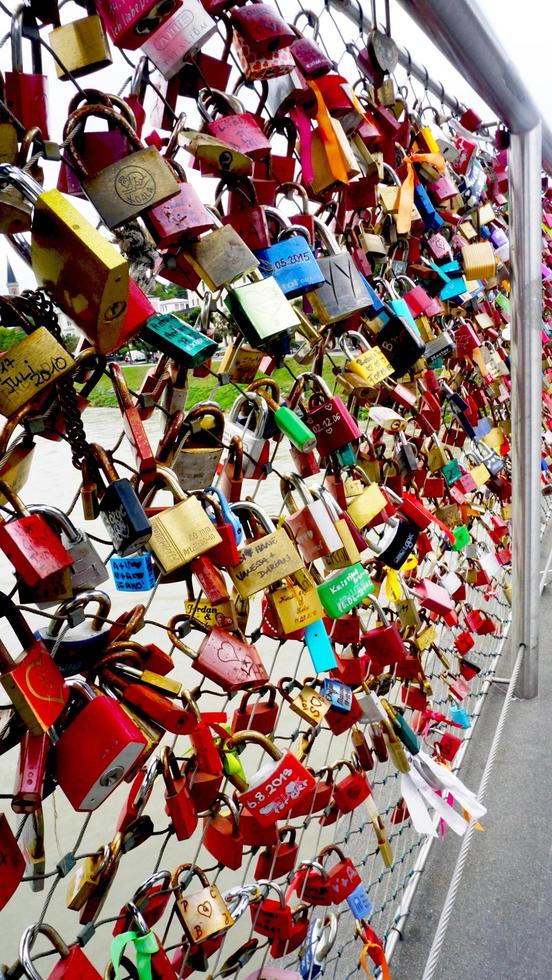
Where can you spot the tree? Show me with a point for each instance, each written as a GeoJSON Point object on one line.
{"type": "Point", "coordinates": [10, 336]}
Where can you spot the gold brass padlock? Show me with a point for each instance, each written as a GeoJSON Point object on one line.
{"type": "Point", "coordinates": [203, 914]}
{"type": "Point", "coordinates": [129, 186]}
{"type": "Point", "coordinates": [86, 275]}
{"type": "Point", "coordinates": [81, 45]}
{"type": "Point", "coordinates": [181, 532]}
{"type": "Point", "coordinates": [29, 367]}
{"type": "Point", "coordinates": [309, 704]}
{"type": "Point", "coordinates": [479, 261]}
{"type": "Point", "coordinates": [295, 607]}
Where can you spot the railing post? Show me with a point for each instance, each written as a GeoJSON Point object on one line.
{"type": "Point", "coordinates": [526, 374]}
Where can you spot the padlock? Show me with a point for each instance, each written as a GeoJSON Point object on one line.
{"type": "Point", "coordinates": [120, 509]}
{"type": "Point", "coordinates": [309, 704]}
{"type": "Point", "coordinates": [179, 805]}
{"type": "Point", "coordinates": [266, 559]}
{"type": "Point", "coordinates": [220, 256]}
{"type": "Point", "coordinates": [344, 590]}
{"type": "Point", "coordinates": [262, 27]}
{"type": "Point", "coordinates": [290, 258]}
{"type": "Point", "coordinates": [30, 367]}
{"type": "Point", "coordinates": [132, 423]}
{"type": "Point", "coordinates": [33, 682]}
{"type": "Point", "coordinates": [88, 569]}
{"type": "Point", "coordinates": [187, 345]}
{"type": "Point", "coordinates": [279, 859]}
{"type": "Point", "coordinates": [352, 790]}
{"type": "Point", "coordinates": [222, 657]}
{"type": "Point", "coordinates": [129, 25]}
{"type": "Point", "coordinates": [181, 218]}
{"type": "Point", "coordinates": [328, 417]}
{"type": "Point", "coordinates": [96, 750]}
{"type": "Point", "coordinates": [26, 94]}
{"type": "Point", "coordinates": [181, 532]}
{"type": "Point", "coordinates": [343, 877]}
{"type": "Point", "coordinates": [179, 39]}
{"type": "Point", "coordinates": [261, 310]}
{"type": "Point", "coordinates": [151, 898]}
{"type": "Point", "coordinates": [198, 454]}
{"type": "Point", "coordinates": [276, 786]}
{"type": "Point", "coordinates": [72, 961]}
{"type": "Point", "coordinates": [260, 715]}
{"type": "Point", "coordinates": [86, 274]}
{"type": "Point", "coordinates": [343, 291]}
{"type": "Point", "coordinates": [252, 450]}
{"type": "Point", "coordinates": [311, 525]}
{"type": "Point", "coordinates": [128, 187]}
{"type": "Point", "coordinates": [81, 45]}
{"type": "Point", "coordinates": [203, 914]}
{"type": "Point", "coordinates": [222, 836]}
{"type": "Point", "coordinates": [29, 543]}
{"type": "Point", "coordinates": [82, 641]}
{"type": "Point", "coordinates": [226, 120]}
{"type": "Point", "coordinates": [272, 917]}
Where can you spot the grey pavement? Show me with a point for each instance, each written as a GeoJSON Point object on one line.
{"type": "Point", "coordinates": [500, 926]}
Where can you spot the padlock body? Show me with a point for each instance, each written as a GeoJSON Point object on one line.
{"type": "Point", "coordinates": [95, 752]}
{"type": "Point", "coordinates": [81, 46]}
{"type": "Point", "coordinates": [276, 787]}
{"type": "Point", "coordinates": [124, 517]}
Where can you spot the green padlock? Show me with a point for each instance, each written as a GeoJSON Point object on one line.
{"type": "Point", "coordinates": [289, 423]}
{"type": "Point", "coordinates": [344, 590]}
{"type": "Point", "coordinates": [451, 472]}
{"type": "Point", "coordinates": [185, 344]}
{"type": "Point", "coordinates": [261, 310]}
{"type": "Point", "coordinates": [462, 537]}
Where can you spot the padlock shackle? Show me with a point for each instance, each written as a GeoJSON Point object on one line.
{"type": "Point", "coordinates": [29, 187]}
{"type": "Point", "coordinates": [28, 940]}
{"type": "Point", "coordinates": [249, 507]}
{"type": "Point", "coordinates": [239, 738]}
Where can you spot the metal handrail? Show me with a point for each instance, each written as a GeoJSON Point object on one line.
{"type": "Point", "coordinates": [465, 37]}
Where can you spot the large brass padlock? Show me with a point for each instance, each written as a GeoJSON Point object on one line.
{"type": "Point", "coordinates": [81, 45]}
{"type": "Point", "coordinates": [264, 560]}
{"type": "Point", "coordinates": [221, 256]}
{"type": "Point", "coordinates": [182, 532]}
{"type": "Point", "coordinates": [32, 365]}
{"type": "Point", "coordinates": [86, 275]}
{"type": "Point", "coordinates": [203, 914]}
{"type": "Point", "coordinates": [127, 187]}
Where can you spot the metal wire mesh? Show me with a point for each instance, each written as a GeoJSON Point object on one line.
{"type": "Point", "coordinates": [386, 886]}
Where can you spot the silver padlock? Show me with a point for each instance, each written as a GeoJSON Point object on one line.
{"type": "Point", "coordinates": [76, 641]}
{"type": "Point", "coordinates": [250, 430]}
{"type": "Point", "coordinates": [89, 569]}
{"type": "Point", "coordinates": [179, 38]}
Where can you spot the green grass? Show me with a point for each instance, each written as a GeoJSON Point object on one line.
{"type": "Point", "coordinates": [200, 389]}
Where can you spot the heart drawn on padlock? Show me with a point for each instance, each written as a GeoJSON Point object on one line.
{"type": "Point", "coordinates": [205, 909]}
{"type": "Point", "coordinates": [226, 653]}
{"type": "Point", "coordinates": [39, 672]}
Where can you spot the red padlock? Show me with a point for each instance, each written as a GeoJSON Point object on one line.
{"type": "Point", "coordinates": [343, 877]}
{"type": "Point", "coordinates": [96, 750]}
{"type": "Point", "coordinates": [276, 787]}
{"type": "Point", "coordinates": [272, 917]}
{"type": "Point", "coordinates": [72, 964]}
{"type": "Point", "coordinates": [130, 24]}
{"type": "Point", "coordinates": [222, 836]}
{"type": "Point", "coordinates": [25, 93]}
{"type": "Point", "coordinates": [179, 805]}
{"type": "Point", "coordinates": [299, 929]}
{"type": "Point", "coordinates": [351, 791]}
{"type": "Point", "coordinates": [151, 898]}
{"type": "Point", "coordinates": [259, 714]}
{"type": "Point", "coordinates": [279, 859]}
{"type": "Point", "coordinates": [329, 419]}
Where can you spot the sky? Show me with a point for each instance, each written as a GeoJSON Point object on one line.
{"type": "Point", "coordinates": [524, 30]}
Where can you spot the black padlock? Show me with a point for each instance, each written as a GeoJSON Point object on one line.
{"type": "Point", "coordinates": [401, 345]}
{"type": "Point", "coordinates": [122, 513]}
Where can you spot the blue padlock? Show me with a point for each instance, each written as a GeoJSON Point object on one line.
{"type": "Point", "coordinates": [134, 573]}
{"type": "Point", "coordinates": [338, 694]}
{"type": "Point", "coordinates": [319, 646]}
{"type": "Point", "coordinates": [290, 259]}
{"type": "Point", "coordinates": [229, 516]}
